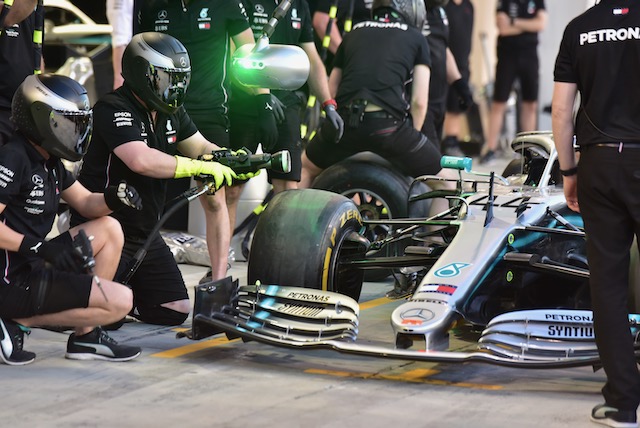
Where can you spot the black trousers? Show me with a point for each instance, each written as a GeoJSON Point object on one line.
{"type": "Point", "coordinates": [609, 198]}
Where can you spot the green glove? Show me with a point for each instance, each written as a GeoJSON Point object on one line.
{"type": "Point", "coordinates": [247, 175]}
{"type": "Point", "coordinates": [187, 167]}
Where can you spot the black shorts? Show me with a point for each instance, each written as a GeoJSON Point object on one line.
{"type": "Point", "coordinates": [244, 133]}
{"type": "Point", "coordinates": [522, 65]}
{"type": "Point", "coordinates": [395, 140]}
{"type": "Point", "coordinates": [213, 126]}
{"type": "Point", "coordinates": [158, 279]}
{"type": "Point", "coordinates": [40, 290]}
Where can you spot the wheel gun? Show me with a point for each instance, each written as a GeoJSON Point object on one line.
{"type": "Point", "coordinates": [244, 161]}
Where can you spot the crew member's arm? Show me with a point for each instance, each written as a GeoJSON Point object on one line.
{"type": "Point", "coordinates": [317, 73]}
{"type": "Point", "coordinates": [453, 72]}
{"type": "Point", "coordinates": [89, 205]}
{"type": "Point", "coordinates": [564, 95]}
{"type": "Point", "coordinates": [196, 145]}
{"type": "Point", "coordinates": [120, 17]}
{"type": "Point", "coordinates": [9, 238]}
{"type": "Point", "coordinates": [19, 10]}
{"type": "Point", "coordinates": [513, 27]}
{"type": "Point", "coordinates": [145, 160]}
{"type": "Point", "coordinates": [419, 95]}
{"type": "Point", "coordinates": [150, 162]}
{"type": "Point", "coordinates": [320, 21]}
{"type": "Point", "coordinates": [334, 81]}
{"type": "Point", "coordinates": [532, 25]}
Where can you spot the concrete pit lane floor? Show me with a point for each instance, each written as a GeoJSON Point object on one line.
{"type": "Point", "coordinates": [215, 382]}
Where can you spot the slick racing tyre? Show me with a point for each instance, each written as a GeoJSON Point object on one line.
{"type": "Point", "coordinates": [380, 192]}
{"type": "Point", "coordinates": [301, 239]}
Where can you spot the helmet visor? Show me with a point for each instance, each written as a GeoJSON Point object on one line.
{"type": "Point", "coordinates": [169, 85]}
{"type": "Point", "coordinates": [72, 129]}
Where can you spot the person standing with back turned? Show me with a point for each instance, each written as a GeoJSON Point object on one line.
{"type": "Point", "coordinates": [599, 57]}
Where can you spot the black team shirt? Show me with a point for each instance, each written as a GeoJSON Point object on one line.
{"type": "Point", "coordinates": [377, 60]}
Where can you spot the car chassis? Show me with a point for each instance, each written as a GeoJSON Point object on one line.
{"type": "Point", "coordinates": [505, 261]}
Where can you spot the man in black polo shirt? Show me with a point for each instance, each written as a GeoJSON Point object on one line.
{"type": "Point", "coordinates": [139, 130]}
{"type": "Point", "coordinates": [373, 64]}
{"type": "Point", "coordinates": [206, 28]}
{"type": "Point", "coordinates": [600, 57]}
{"type": "Point", "coordinates": [45, 283]}
{"type": "Point", "coordinates": [17, 55]}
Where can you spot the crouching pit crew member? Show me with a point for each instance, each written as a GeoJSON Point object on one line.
{"type": "Point", "coordinates": [143, 135]}
{"type": "Point", "coordinates": [44, 283]}
{"type": "Point", "coordinates": [371, 68]}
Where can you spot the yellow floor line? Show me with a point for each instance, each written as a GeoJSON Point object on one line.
{"type": "Point", "coordinates": [415, 376]}
{"type": "Point", "coordinates": [375, 302]}
{"type": "Point", "coordinates": [194, 347]}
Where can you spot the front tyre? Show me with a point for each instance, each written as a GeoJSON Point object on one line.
{"type": "Point", "coordinates": [301, 239]}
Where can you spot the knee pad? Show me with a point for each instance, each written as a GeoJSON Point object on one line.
{"type": "Point", "coordinates": [160, 315]}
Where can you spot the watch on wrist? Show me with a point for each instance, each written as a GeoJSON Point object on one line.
{"type": "Point", "coordinates": [569, 172]}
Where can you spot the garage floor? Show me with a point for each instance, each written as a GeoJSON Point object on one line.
{"type": "Point", "coordinates": [219, 383]}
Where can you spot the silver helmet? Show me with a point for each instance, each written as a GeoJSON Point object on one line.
{"type": "Point", "coordinates": [156, 67]}
{"type": "Point", "coordinates": [53, 111]}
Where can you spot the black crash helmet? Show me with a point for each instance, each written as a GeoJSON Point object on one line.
{"type": "Point", "coordinates": [53, 111]}
{"type": "Point", "coordinates": [156, 67]}
{"type": "Point", "coordinates": [413, 12]}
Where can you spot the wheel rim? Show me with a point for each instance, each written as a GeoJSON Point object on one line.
{"type": "Point", "coordinates": [371, 207]}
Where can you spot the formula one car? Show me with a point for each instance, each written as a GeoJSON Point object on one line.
{"type": "Point", "coordinates": [506, 262]}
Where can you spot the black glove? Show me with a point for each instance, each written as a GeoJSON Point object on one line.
{"type": "Point", "coordinates": [465, 99]}
{"type": "Point", "coordinates": [278, 109]}
{"type": "Point", "coordinates": [62, 257]}
{"type": "Point", "coordinates": [266, 122]}
{"type": "Point", "coordinates": [334, 118]}
{"type": "Point", "coordinates": [121, 196]}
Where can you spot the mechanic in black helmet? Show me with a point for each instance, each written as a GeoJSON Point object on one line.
{"type": "Point", "coordinates": [208, 28]}
{"type": "Point", "coordinates": [142, 134]}
{"type": "Point", "coordinates": [44, 282]}
{"type": "Point", "coordinates": [445, 74]}
{"type": "Point", "coordinates": [373, 64]}
{"type": "Point", "coordinates": [599, 60]}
